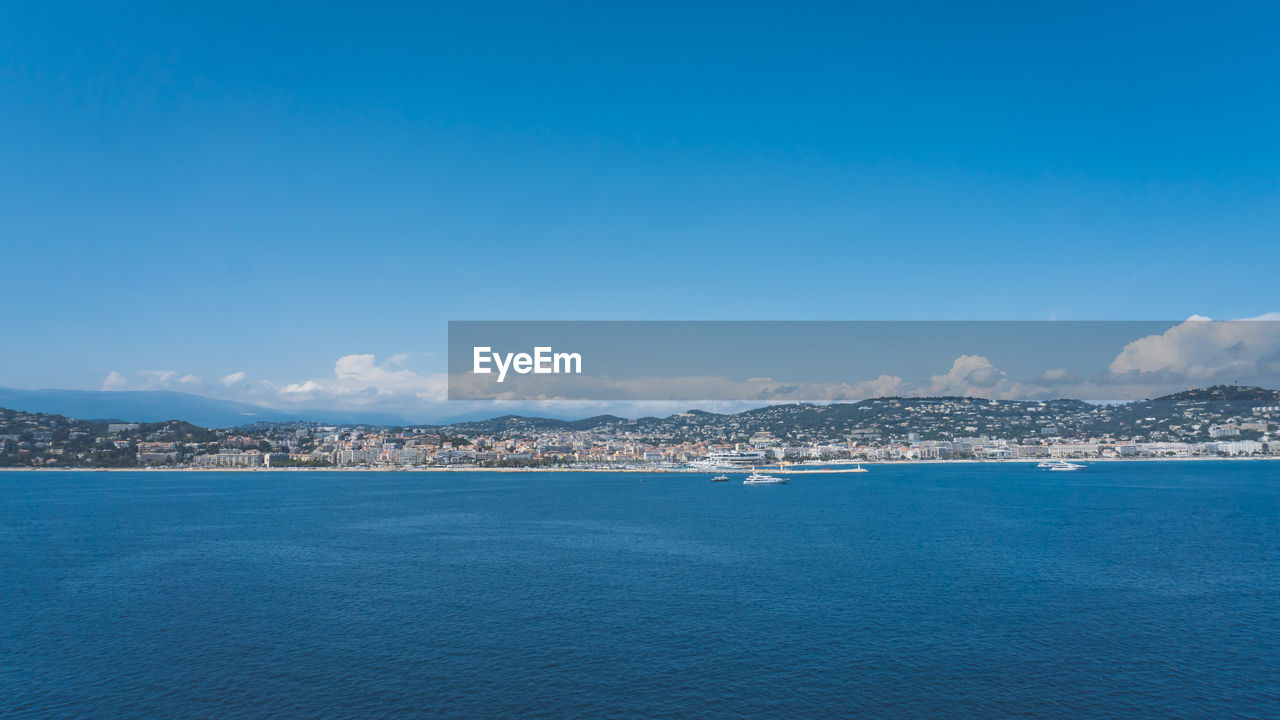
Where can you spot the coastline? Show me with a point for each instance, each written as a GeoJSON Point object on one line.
{"type": "Point", "coordinates": [802, 470]}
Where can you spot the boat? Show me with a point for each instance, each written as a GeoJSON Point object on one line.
{"type": "Point", "coordinates": [756, 478]}
{"type": "Point", "coordinates": [720, 478]}
{"type": "Point", "coordinates": [1060, 466]}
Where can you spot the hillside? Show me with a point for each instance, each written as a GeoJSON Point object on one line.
{"type": "Point", "coordinates": [1246, 413]}
{"type": "Point", "coordinates": [933, 418]}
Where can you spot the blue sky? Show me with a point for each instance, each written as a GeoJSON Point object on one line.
{"type": "Point", "coordinates": [207, 191]}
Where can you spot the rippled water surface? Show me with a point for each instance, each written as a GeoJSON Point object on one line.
{"type": "Point", "coordinates": [1136, 590]}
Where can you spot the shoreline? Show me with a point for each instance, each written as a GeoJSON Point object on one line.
{"type": "Point", "coordinates": [799, 469]}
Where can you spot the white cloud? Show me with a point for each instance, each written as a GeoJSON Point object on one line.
{"type": "Point", "coordinates": [1201, 350]}
{"type": "Point", "coordinates": [1058, 376]}
{"type": "Point", "coordinates": [233, 379]}
{"type": "Point", "coordinates": [1198, 352]}
{"type": "Point", "coordinates": [976, 376]}
{"type": "Point", "coordinates": [969, 375]}
{"type": "Point", "coordinates": [767, 389]}
{"type": "Point", "coordinates": [165, 380]}
{"type": "Point", "coordinates": [882, 386]}
{"type": "Point", "coordinates": [309, 386]}
{"type": "Point", "coordinates": [682, 391]}
{"type": "Point", "coordinates": [359, 381]}
{"type": "Point", "coordinates": [362, 372]}
{"type": "Point", "coordinates": [152, 380]}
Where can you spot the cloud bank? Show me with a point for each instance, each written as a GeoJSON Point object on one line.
{"type": "Point", "coordinates": [1196, 352]}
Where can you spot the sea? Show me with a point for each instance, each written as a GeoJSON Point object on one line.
{"type": "Point", "coordinates": [1124, 590]}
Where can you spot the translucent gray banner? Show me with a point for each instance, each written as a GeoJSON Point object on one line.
{"type": "Point", "coordinates": [820, 361]}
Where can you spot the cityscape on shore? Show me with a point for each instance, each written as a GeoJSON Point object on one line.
{"type": "Point", "coordinates": [1220, 421]}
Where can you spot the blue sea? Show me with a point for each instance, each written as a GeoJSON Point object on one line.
{"type": "Point", "coordinates": [1126, 590]}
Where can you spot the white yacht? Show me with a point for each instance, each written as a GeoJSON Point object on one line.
{"type": "Point", "coordinates": [756, 478]}
{"type": "Point", "coordinates": [720, 478]}
{"type": "Point", "coordinates": [1061, 466]}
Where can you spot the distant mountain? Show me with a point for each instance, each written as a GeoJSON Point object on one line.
{"type": "Point", "coordinates": [482, 416]}
{"type": "Point", "coordinates": [139, 406]}
{"type": "Point", "coordinates": [520, 423]}
{"type": "Point", "coordinates": [162, 405]}
{"type": "Point", "coordinates": [1185, 415]}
